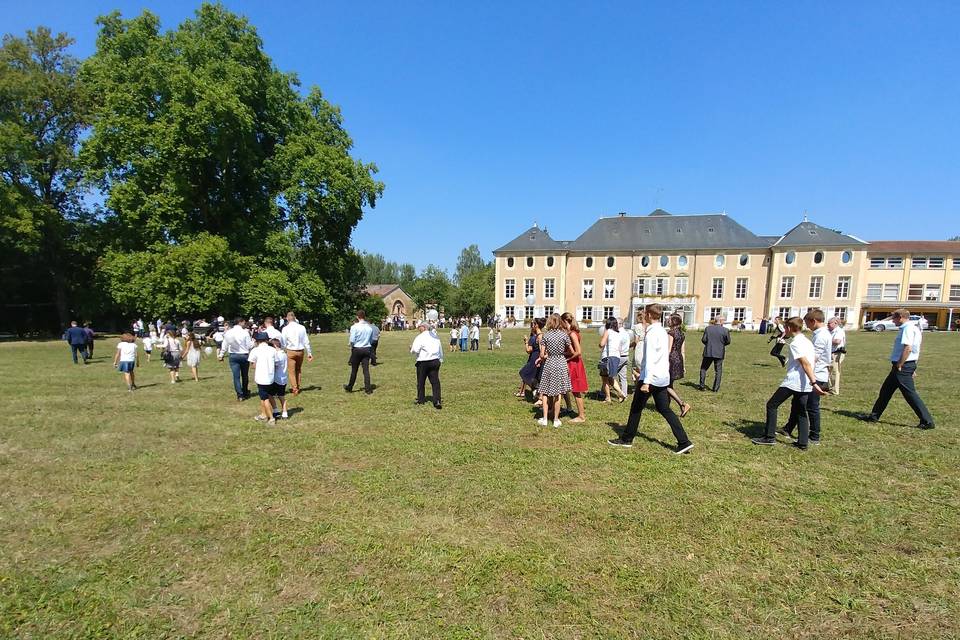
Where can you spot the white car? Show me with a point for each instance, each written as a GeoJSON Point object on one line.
{"type": "Point", "coordinates": [887, 323]}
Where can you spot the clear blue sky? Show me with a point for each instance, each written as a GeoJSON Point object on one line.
{"type": "Point", "coordinates": [484, 117]}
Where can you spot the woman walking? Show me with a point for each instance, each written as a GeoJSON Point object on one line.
{"type": "Point", "coordinates": [677, 356]}
{"type": "Point", "coordinates": [610, 360]}
{"type": "Point", "coordinates": [171, 355]}
{"type": "Point", "coordinates": [529, 374]}
{"type": "Point", "coordinates": [192, 351]}
{"type": "Point", "coordinates": [555, 381]}
{"type": "Point", "coordinates": [781, 339]}
{"type": "Point", "coordinates": [578, 373]}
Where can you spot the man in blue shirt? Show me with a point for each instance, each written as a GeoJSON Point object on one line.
{"type": "Point", "coordinates": [76, 337]}
{"type": "Point", "coordinates": [361, 336]}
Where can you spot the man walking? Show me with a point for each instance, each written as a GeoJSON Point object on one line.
{"type": "Point", "coordinates": [654, 381]}
{"type": "Point", "coordinates": [76, 337]}
{"type": "Point", "coordinates": [374, 343]}
{"type": "Point", "coordinates": [839, 341]}
{"type": "Point", "coordinates": [429, 352]}
{"type": "Point", "coordinates": [715, 339]}
{"type": "Point", "coordinates": [237, 344]}
{"type": "Point", "coordinates": [903, 360]}
{"type": "Point", "coordinates": [295, 340]}
{"type": "Point", "coordinates": [360, 335]}
{"type": "Point", "coordinates": [272, 332]}
{"type": "Point", "coordinates": [822, 354]}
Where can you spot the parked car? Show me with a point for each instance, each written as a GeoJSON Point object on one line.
{"type": "Point", "coordinates": [887, 323]}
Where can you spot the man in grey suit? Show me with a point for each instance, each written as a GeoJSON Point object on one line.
{"type": "Point", "coordinates": [715, 339]}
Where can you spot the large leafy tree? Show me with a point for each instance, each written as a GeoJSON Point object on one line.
{"type": "Point", "coordinates": [432, 287]}
{"type": "Point", "coordinates": [469, 261]}
{"type": "Point", "coordinates": [475, 295]}
{"type": "Point", "coordinates": [45, 255]}
{"type": "Point", "coordinates": [379, 270]}
{"type": "Point", "coordinates": [199, 132]}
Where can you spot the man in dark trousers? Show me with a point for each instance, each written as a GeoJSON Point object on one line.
{"type": "Point", "coordinates": [76, 337]}
{"type": "Point", "coordinates": [715, 339]}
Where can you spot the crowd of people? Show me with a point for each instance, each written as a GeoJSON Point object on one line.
{"type": "Point", "coordinates": [554, 376]}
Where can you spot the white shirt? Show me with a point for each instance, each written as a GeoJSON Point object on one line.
{"type": "Point", "coordinates": [639, 331]}
{"type": "Point", "coordinates": [911, 335]}
{"type": "Point", "coordinates": [655, 364]}
{"type": "Point", "coordinates": [823, 350]}
{"type": "Point", "coordinates": [274, 333]}
{"type": "Point", "coordinates": [840, 336]}
{"type": "Point", "coordinates": [474, 332]}
{"type": "Point", "coordinates": [796, 378]}
{"type": "Point", "coordinates": [427, 346]}
{"type": "Point", "coordinates": [148, 343]}
{"type": "Point", "coordinates": [128, 351]}
{"type": "Point", "coordinates": [280, 367]}
{"type": "Point", "coordinates": [264, 356]}
{"type": "Point", "coordinates": [236, 340]}
{"type": "Point", "coordinates": [625, 344]}
{"type": "Point", "coordinates": [171, 344]}
{"type": "Point", "coordinates": [295, 337]}
{"type": "Point", "coordinates": [612, 348]}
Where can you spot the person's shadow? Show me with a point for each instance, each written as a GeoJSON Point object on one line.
{"type": "Point", "coordinates": [292, 411]}
{"type": "Point", "coordinates": [619, 429]}
{"type": "Point", "coordinates": [749, 428]}
{"type": "Point", "coordinates": [860, 415]}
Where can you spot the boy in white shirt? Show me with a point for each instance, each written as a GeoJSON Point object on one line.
{"type": "Point", "coordinates": [148, 343]}
{"type": "Point", "coordinates": [654, 381]}
{"type": "Point", "coordinates": [839, 353]}
{"type": "Point", "coordinates": [498, 343]}
{"type": "Point", "coordinates": [280, 380]}
{"type": "Point", "coordinates": [263, 358]}
{"type": "Point", "coordinates": [798, 383]}
{"type": "Point", "coordinates": [126, 358]}
{"type": "Point", "coordinates": [822, 349]}
{"type": "Point", "coordinates": [491, 338]}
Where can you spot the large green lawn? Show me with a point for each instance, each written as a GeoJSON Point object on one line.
{"type": "Point", "coordinates": [170, 513]}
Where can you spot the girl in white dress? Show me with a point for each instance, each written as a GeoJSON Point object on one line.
{"type": "Point", "coordinates": [192, 350]}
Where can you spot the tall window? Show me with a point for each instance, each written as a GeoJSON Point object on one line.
{"type": "Point", "coordinates": [841, 312]}
{"type": "Point", "coordinates": [717, 312]}
{"type": "Point", "coordinates": [548, 310]}
{"type": "Point", "coordinates": [609, 289]}
{"type": "Point", "coordinates": [681, 285]}
{"type": "Point", "coordinates": [509, 311]}
{"type": "Point", "coordinates": [915, 292]}
{"type": "Point", "coordinates": [739, 314]}
{"type": "Point", "coordinates": [588, 289]}
{"type": "Point", "coordinates": [785, 313]}
{"type": "Point", "coordinates": [608, 313]}
{"type": "Point", "coordinates": [843, 287]}
{"type": "Point", "coordinates": [931, 293]}
{"type": "Point", "coordinates": [509, 288]}
{"type": "Point", "coordinates": [891, 292]}
{"type": "Point", "coordinates": [528, 313]}
{"type": "Point", "coordinates": [786, 287]}
{"type": "Point", "coordinates": [716, 291]}
{"type": "Point", "coordinates": [816, 286]}
{"type": "Point", "coordinates": [586, 314]}
{"type": "Point", "coordinates": [741, 289]}
{"type": "Point", "coordinates": [874, 291]}
{"type": "Point", "coordinates": [549, 287]}
{"type": "Point", "coordinates": [528, 287]}
{"type": "Point", "coordinates": [661, 286]}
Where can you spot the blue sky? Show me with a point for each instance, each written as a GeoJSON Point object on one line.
{"type": "Point", "coordinates": [484, 117]}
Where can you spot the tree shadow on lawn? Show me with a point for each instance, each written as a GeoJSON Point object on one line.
{"type": "Point", "coordinates": [749, 428]}
{"type": "Point", "coordinates": [618, 429]}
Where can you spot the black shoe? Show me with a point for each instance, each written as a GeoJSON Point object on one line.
{"type": "Point", "coordinates": [683, 448]}
{"type": "Point", "coordinates": [620, 442]}
{"type": "Point", "coordinates": [786, 433]}
{"type": "Point", "coordinates": [869, 417]}
{"type": "Point", "coordinates": [764, 440]}
{"type": "Point", "coordinates": [922, 425]}
{"type": "Point", "coordinates": [717, 390]}
{"type": "Point", "coordinates": [347, 388]}
{"type": "Point", "coordinates": [369, 392]}
{"type": "Point", "coordinates": [700, 387]}
{"type": "Point", "coordinates": [815, 442]}
{"type": "Point", "coordinates": [783, 362]}
{"type": "Point", "coordinates": [801, 447]}
{"type": "Point", "coordinates": [417, 402]}
{"type": "Point", "coordinates": [438, 406]}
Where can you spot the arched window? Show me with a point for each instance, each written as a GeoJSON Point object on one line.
{"type": "Point", "coordinates": [645, 261]}
{"type": "Point", "coordinates": [790, 258]}
{"type": "Point", "coordinates": [550, 261]}
{"type": "Point", "coordinates": [588, 262]}
{"type": "Point", "coordinates": [720, 260]}
{"type": "Point", "coordinates": [682, 262]}
{"type": "Point", "coordinates": [510, 263]}
{"type": "Point", "coordinates": [664, 261]}
{"type": "Point", "coordinates": [846, 257]}
{"type": "Point", "coordinates": [744, 259]}
{"type": "Point", "coordinates": [529, 261]}
{"type": "Point", "coordinates": [818, 257]}
{"type": "Point", "coordinates": [610, 262]}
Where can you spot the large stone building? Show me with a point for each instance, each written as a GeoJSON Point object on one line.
{"type": "Point", "coordinates": [703, 266]}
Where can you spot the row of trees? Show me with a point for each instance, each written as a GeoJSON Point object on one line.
{"type": "Point", "coordinates": [470, 291]}
{"type": "Point", "coordinates": [173, 173]}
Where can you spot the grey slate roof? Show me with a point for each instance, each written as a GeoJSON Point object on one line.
{"type": "Point", "coordinates": [808, 234]}
{"type": "Point", "coordinates": [533, 239]}
{"type": "Point", "coordinates": [663, 231]}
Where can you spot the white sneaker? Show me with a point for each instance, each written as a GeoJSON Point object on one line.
{"type": "Point", "coordinates": [542, 422]}
{"type": "Point", "coordinates": [284, 415]}
{"type": "Point", "coordinates": [557, 424]}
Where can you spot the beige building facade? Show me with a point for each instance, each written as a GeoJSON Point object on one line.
{"type": "Point", "coordinates": [705, 266]}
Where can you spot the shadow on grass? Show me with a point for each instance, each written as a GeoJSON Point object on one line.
{"type": "Point", "coordinates": [619, 429]}
{"type": "Point", "coordinates": [859, 415]}
{"type": "Point", "coordinates": [292, 411]}
{"type": "Point", "coordinates": [144, 386]}
{"type": "Point", "coordinates": [749, 428]}
{"type": "Point", "coordinates": [313, 387]}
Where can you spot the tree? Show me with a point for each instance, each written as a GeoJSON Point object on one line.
{"type": "Point", "coordinates": [432, 287]}
{"type": "Point", "coordinates": [475, 295]}
{"type": "Point", "coordinates": [44, 109]}
{"type": "Point", "coordinates": [469, 262]}
{"type": "Point", "coordinates": [379, 270]}
{"type": "Point", "coordinates": [954, 239]}
{"type": "Point", "coordinates": [373, 307]}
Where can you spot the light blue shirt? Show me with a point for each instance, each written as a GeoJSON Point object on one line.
{"type": "Point", "coordinates": [361, 333]}
{"type": "Point", "coordinates": [464, 332]}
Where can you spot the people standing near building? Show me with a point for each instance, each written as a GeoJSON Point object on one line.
{"type": "Point", "coordinates": [716, 338]}
{"type": "Point", "coordinates": [76, 337]}
{"type": "Point", "coordinates": [475, 337]}
{"type": "Point", "coordinates": [609, 365]}
{"type": "Point", "coordinates": [464, 335]}
{"type": "Point", "coordinates": [237, 345]}
{"type": "Point", "coordinates": [429, 356]}
{"type": "Point", "coordinates": [763, 325]}
{"type": "Point", "coordinates": [654, 381]}
{"type": "Point", "coordinates": [126, 359]}
{"type": "Point", "coordinates": [530, 372]}
{"type": "Point", "coordinates": [578, 372]}
{"type": "Point", "coordinates": [822, 351]}
{"type": "Point", "coordinates": [778, 339]}
{"type": "Point", "coordinates": [264, 361]}
{"type": "Point", "coordinates": [555, 379]}
{"type": "Point", "coordinates": [360, 335]}
{"type": "Point", "coordinates": [839, 340]}
{"type": "Point", "coordinates": [191, 350]}
{"type": "Point", "coordinates": [91, 336]}
{"type": "Point", "coordinates": [295, 340]}
{"type": "Point", "coordinates": [374, 343]}
{"type": "Point", "coordinates": [799, 382]}
{"type": "Point", "coordinates": [678, 353]}
{"type": "Point", "coordinates": [903, 371]}
{"type": "Point", "coordinates": [172, 350]}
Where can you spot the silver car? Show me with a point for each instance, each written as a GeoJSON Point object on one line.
{"type": "Point", "coordinates": [887, 323]}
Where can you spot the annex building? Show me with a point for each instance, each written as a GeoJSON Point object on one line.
{"type": "Point", "coordinates": [708, 265]}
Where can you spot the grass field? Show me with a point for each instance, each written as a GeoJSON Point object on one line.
{"type": "Point", "coordinates": [170, 513]}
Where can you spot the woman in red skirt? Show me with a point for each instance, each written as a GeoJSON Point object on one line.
{"type": "Point", "coordinates": [578, 373]}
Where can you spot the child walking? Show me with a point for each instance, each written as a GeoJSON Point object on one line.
{"type": "Point", "coordinates": [126, 358]}
{"type": "Point", "coordinates": [192, 349]}
{"type": "Point", "coordinates": [148, 343]}
{"type": "Point", "coordinates": [280, 381]}
{"type": "Point", "coordinates": [263, 358]}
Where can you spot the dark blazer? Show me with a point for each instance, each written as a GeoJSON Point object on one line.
{"type": "Point", "coordinates": [76, 336]}
{"type": "Point", "coordinates": [715, 339]}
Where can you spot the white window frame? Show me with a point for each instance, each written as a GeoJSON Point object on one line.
{"type": "Point", "coordinates": [739, 314]}
{"type": "Point", "coordinates": [785, 316]}
{"type": "Point", "coordinates": [549, 288]}
{"type": "Point", "coordinates": [914, 292]}
{"type": "Point", "coordinates": [930, 288]}
{"type": "Point", "coordinates": [816, 282]}
{"type": "Point", "coordinates": [510, 289]}
{"type": "Point", "coordinates": [587, 288]}
{"type": "Point", "coordinates": [510, 311]}
{"type": "Point", "coordinates": [661, 286]}
{"type": "Point", "coordinates": [845, 283]}
{"type": "Point", "coordinates": [840, 312]}
{"type": "Point", "coordinates": [743, 266]}
{"type": "Point", "coordinates": [548, 310]}
{"type": "Point", "coordinates": [787, 284]}
{"type": "Point", "coordinates": [685, 282]}
{"type": "Point", "coordinates": [532, 259]}
{"type": "Point", "coordinates": [586, 314]}
{"type": "Point", "coordinates": [546, 262]}
{"type": "Point", "coordinates": [713, 288]}
{"type": "Point", "coordinates": [891, 286]}
{"type": "Point", "coordinates": [878, 287]}
{"type": "Point", "coordinates": [529, 287]}
{"type": "Point", "coordinates": [609, 312]}
{"type": "Point", "coordinates": [661, 264]}
{"type": "Point", "coordinates": [529, 312]}
{"type": "Point", "coordinates": [611, 292]}
{"type": "Point", "coordinates": [593, 263]}
{"type": "Point", "coordinates": [737, 293]}
{"type": "Point", "coordinates": [507, 265]}
{"type": "Point", "coordinates": [954, 295]}
{"type": "Point", "coordinates": [606, 262]}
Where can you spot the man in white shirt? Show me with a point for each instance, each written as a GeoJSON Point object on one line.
{"type": "Point", "coordinates": [237, 344]}
{"type": "Point", "coordinates": [264, 360]}
{"type": "Point", "coordinates": [822, 353]}
{"type": "Point", "coordinates": [272, 332]}
{"type": "Point", "coordinates": [654, 381]}
{"type": "Point", "coordinates": [903, 370]}
{"type": "Point", "coordinates": [429, 352]}
{"type": "Point", "coordinates": [296, 341]}
{"type": "Point", "coordinates": [799, 382]}
{"type": "Point", "coordinates": [361, 334]}
{"type": "Point", "coordinates": [839, 339]}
